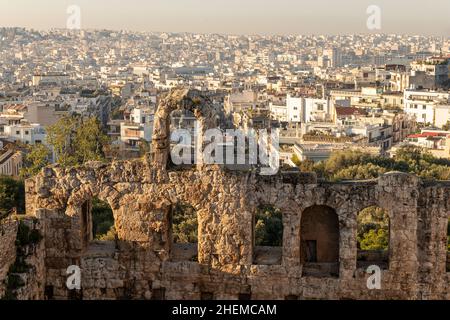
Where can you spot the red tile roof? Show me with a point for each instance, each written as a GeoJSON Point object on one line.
{"type": "Point", "coordinates": [349, 111]}
{"type": "Point", "coordinates": [426, 135]}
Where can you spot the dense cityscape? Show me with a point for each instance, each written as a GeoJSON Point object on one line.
{"type": "Point", "coordinates": [363, 124]}
{"type": "Point", "coordinates": [327, 93]}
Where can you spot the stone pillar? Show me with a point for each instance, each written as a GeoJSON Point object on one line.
{"type": "Point", "coordinates": [398, 194]}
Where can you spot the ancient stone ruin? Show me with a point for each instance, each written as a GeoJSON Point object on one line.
{"type": "Point", "coordinates": [144, 263]}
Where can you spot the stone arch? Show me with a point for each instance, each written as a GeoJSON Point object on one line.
{"type": "Point", "coordinates": [284, 200]}
{"type": "Point", "coordinates": [79, 207]}
{"type": "Point", "coordinates": [103, 222]}
{"type": "Point", "coordinates": [319, 238]}
{"type": "Point", "coordinates": [373, 237]}
{"type": "Point", "coordinates": [180, 99]}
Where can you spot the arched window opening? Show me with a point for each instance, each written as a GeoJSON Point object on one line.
{"type": "Point", "coordinates": [373, 238]}
{"type": "Point", "coordinates": [319, 249]}
{"type": "Point", "coordinates": [103, 228]}
{"type": "Point", "coordinates": [184, 233]}
{"type": "Point", "coordinates": [268, 236]}
{"type": "Point", "coordinates": [97, 222]}
{"type": "Point", "coordinates": [183, 139]}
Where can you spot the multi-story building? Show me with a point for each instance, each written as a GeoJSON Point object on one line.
{"type": "Point", "coordinates": [137, 127]}
{"type": "Point", "coordinates": [423, 105]}
{"type": "Point", "coordinates": [431, 74]}
{"type": "Point", "coordinates": [302, 110]}
{"type": "Point", "coordinates": [25, 132]}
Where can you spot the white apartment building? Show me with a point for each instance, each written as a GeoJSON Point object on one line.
{"type": "Point", "coordinates": [434, 140]}
{"type": "Point", "coordinates": [304, 110]}
{"type": "Point", "coordinates": [423, 105]}
{"type": "Point", "coordinates": [278, 112]}
{"type": "Point", "coordinates": [24, 132]}
{"type": "Point", "coordinates": [377, 134]}
{"type": "Point", "coordinates": [14, 128]}
{"type": "Point", "coordinates": [294, 107]}
{"type": "Point", "coordinates": [317, 110]}
{"type": "Point", "coordinates": [138, 127]}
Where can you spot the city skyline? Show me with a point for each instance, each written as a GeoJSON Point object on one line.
{"type": "Point", "coordinates": [178, 153]}
{"type": "Point", "coordinates": [232, 17]}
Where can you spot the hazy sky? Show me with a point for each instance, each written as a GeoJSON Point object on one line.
{"type": "Point", "coordinates": [430, 17]}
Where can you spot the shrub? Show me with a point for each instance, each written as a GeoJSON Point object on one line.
{"type": "Point", "coordinates": [268, 227]}
{"type": "Point", "coordinates": [184, 224]}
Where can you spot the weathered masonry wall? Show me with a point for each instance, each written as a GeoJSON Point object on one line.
{"type": "Point", "coordinates": [22, 268]}
{"type": "Point", "coordinates": [139, 265]}
{"type": "Point", "coordinates": [8, 232]}
{"type": "Point", "coordinates": [319, 252]}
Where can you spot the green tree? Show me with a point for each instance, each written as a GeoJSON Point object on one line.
{"type": "Point", "coordinates": [36, 159]}
{"type": "Point", "coordinates": [373, 229]}
{"type": "Point", "coordinates": [184, 224]}
{"type": "Point", "coordinates": [359, 172]}
{"type": "Point", "coordinates": [89, 140]}
{"type": "Point", "coordinates": [102, 220]}
{"type": "Point", "coordinates": [357, 165]}
{"type": "Point", "coordinates": [375, 240]}
{"type": "Point", "coordinates": [12, 195]}
{"type": "Point", "coordinates": [61, 137]}
{"type": "Point", "coordinates": [296, 160]}
{"type": "Point", "coordinates": [268, 227]}
{"type": "Point", "coordinates": [307, 166]}
{"type": "Point", "coordinates": [76, 140]}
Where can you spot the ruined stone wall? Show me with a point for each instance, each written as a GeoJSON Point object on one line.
{"type": "Point", "coordinates": [143, 262]}
{"type": "Point", "coordinates": [140, 265]}
{"type": "Point", "coordinates": [21, 259]}
{"type": "Point", "coordinates": [8, 232]}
